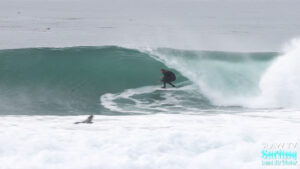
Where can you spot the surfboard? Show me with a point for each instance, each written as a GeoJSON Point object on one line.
{"type": "Point", "coordinates": [169, 88]}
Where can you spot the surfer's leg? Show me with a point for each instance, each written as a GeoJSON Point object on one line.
{"type": "Point", "coordinates": [164, 84]}
{"type": "Point", "coordinates": [171, 84]}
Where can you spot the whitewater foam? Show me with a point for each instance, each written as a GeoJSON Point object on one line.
{"type": "Point", "coordinates": [227, 141]}
{"type": "Point", "coordinates": [151, 99]}
{"type": "Point", "coordinates": [280, 83]}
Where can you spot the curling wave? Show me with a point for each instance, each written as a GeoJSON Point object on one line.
{"type": "Point", "coordinates": [66, 81]}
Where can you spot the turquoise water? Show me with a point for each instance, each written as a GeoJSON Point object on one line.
{"type": "Point", "coordinates": [114, 80]}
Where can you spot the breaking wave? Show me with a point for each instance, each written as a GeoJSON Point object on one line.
{"type": "Point", "coordinates": [64, 81]}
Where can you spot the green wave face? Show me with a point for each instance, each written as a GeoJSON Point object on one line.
{"type": "Point", "coordinates": [70, 80]}
{"type": "Point", "coordinates": [64, 81]}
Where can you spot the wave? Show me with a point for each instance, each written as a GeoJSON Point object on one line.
{"type": "Point", "coordinates": [66, 81]}
{"type": "Point", "coordinates": [70, 80]}
{"type": "Point", "coordinates": [225, 78]}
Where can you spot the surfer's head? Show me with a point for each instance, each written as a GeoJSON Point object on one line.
{"type": "Point", "coordinates": [162, 70]}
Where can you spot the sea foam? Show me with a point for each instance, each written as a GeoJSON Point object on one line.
{"type": "Point", "coordinates": [226, 141]}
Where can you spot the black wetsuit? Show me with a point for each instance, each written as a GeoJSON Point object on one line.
{"type": "Point", "coordinates": [168, 78]}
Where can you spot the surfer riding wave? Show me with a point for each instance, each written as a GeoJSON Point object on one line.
{"type": "Point", "coordinates": [168, 77]}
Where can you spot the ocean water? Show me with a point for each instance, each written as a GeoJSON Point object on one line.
{"type": "Point", "coordinates": [237, 66]}
{"type": "Point", "coordinates": [225, 107]}
{"type": "Point", "coordinates": [113, 80]}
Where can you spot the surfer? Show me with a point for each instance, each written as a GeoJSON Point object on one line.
{"type": "Point", "coordinates": [88, 120]}
{"type": "Point", "coordinates": [168, 77]}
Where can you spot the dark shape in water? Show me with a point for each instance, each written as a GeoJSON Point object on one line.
{"type": "Point", "coordinates": [88, 120]}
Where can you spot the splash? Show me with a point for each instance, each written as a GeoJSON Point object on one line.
{"type": "Point", "coordinates": [280, 84]}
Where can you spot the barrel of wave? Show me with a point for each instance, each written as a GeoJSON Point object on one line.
{"type": "Point", "coordinates": [225, 78]}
